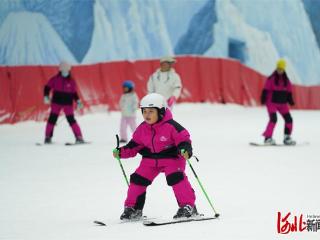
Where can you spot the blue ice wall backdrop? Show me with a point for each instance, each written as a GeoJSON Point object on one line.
{"type": "Point", "coordinates": [257, 33]}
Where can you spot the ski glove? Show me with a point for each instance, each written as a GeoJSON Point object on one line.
{"type": "Point", "coordinates": [171, 101]}
{"type": "Point", "coordinates": [290, 99]}
{"type": "Point", "coordinates": [46, 100]}
{"type": "Point", "coordinates": [263, 97]}
{"type": "Point", "coordinates": [79, 104]}
{"type": "Point", "coordinates": [185, 147]}
{"type": "Point", "coordinates": [116, 153]}
{"type": "Point", "coordinates": [185, 154]}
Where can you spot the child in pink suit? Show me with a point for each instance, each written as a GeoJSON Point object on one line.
{"type": "Point", "coordinates": [164, 145]}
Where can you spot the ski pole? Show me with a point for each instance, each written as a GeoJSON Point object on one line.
{"type": "Point", "coordinates": [118, 158]}
{"type": "Point", "coordinates": [201, 186]}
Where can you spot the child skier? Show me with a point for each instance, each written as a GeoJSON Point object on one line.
{"type": "Point", "coordinates": [128, 106]}
{"type": "Point", "coordinates": [276, 94]}
{"type": "Point", "coordinates": [164, 145]}
{"type": "Point", "coordinates": [64, 93]}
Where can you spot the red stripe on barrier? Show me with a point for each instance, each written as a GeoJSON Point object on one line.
{"type": "Point", "coordinates": [204, 80]}
{"type": "Point", "coordinates": [6, 108]}
{"type": "Point", "coordinates": [26, 93]}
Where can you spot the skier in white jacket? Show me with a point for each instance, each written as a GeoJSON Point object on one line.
{"type": "Point", "coordinates": [128, 106]}
{"type": "Point", "coordinates": [166, 81]}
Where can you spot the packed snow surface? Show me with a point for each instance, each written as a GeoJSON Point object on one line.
{"type": "Point", "coordinates": [56, 192]}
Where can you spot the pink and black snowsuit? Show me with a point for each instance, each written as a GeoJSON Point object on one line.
{"type": "Point", "coordinates": [276, 94]}
{"type": "Point", "coordinates": [160, 145]}
{"type": "Point", "coordinates": [64, 93]}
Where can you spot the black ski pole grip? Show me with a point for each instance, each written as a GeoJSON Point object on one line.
{"type": "Point", "coordinates": [118, 141]}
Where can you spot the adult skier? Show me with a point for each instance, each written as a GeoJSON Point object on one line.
{"type": "Point", "coordinates": [164, 145]}
{"type": "Point", "coordinates": [276, 95]}
{"type": "Point", "coordinates": [64, 93]}
{"type": "Point", "coordinates": [166, 81]}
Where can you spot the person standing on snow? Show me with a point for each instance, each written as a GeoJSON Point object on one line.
{"type": "Point", "coordinates": [128, 106]}
{"type": "Point", "coordinates": [164, 145]}
{"type": "Point", "coordinates": [64, 93]}
{"type": "Point", "coordinates": [276, 94]}
{"type": "Point", "coordinates": [166, 81]}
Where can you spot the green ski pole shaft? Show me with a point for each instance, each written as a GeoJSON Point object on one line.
{"type": "Point", "coordinates": [118, 158]}
{"type": "Point", "coordinates": [202, 188]}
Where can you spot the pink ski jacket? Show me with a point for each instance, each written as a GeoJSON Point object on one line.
{"type": "Point", "coordinates": [160, 143]}
{"type": "Point", "coordinates": [64, 89]}
{"type": "Point", "coordinates": [277, 90]}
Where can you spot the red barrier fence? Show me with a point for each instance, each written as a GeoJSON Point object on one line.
{"type": "Point", "coordinates": [6, 109]}
{"type": "Point", "coordinates": [204, 80]}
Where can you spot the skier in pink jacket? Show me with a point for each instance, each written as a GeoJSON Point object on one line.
{"type": "Point", "coordinates": [164, 145]}
{"type": "Point", "coordinates": [64, 94]}
{"type": "Point", "coordinates": [276, 94]}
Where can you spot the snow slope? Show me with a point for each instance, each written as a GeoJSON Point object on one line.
{"type": "Point", "coordinates": [30, 36]}
{"type": "Point", "coordinates": [55, 192]}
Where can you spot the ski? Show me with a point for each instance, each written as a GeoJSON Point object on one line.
{"type": "Point", "coordinates": [44, 144]}
{"type": "Point", "coordinates": [101, 223]}
{"type": "Point", "coordinates": [75, 144]}
{"type": "Point", "coordinates": [255, 144]}
{"type": "Point", "coordinates": [175, 221]}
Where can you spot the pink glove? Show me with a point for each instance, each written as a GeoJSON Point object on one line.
{"type": "Point", "coordinates": [172, 100]}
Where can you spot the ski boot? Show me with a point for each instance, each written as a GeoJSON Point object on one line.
{"type": "Point", "coordinates": [269, 141]}
{"type": "Point", "coordinates": [131, 213]}
{"type": "Point", "coordinates": [47, 140]}
{"type": "Point", "coordinates": [186, 212]}
{"type": "Point", "coordinates": [288, 140]}
{"type": "Point", "coordinates": [79, 140]}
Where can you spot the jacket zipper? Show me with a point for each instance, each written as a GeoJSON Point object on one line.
{"type": "Point", "coordinates": [153, 135]}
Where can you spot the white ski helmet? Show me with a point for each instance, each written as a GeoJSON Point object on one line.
{"type": "Point", "coordinates": [153, 100]}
